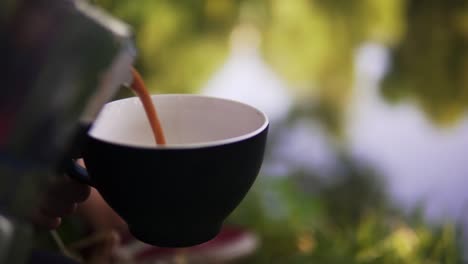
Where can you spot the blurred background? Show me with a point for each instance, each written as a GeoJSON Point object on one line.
{"type": "Point", "coordinates": [367, 160]}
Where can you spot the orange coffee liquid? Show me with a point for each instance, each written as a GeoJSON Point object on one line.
{"type": "Point", "coordinates": [138, 86]}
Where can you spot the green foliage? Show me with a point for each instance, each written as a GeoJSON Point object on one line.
{"type": "Point", "coordinates": [310, 43]}
{"type": "Point", "coordinates": [349, 221]}
{"type": "Point", "coordinates": [180, 43]}
{"type": "Point", "coordinates": [431, 63]}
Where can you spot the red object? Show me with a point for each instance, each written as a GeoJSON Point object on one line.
{"type": "Point", "coordinates": [232, 242]}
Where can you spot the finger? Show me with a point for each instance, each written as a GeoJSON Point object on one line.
{"type": "Point", "coordinates": [69, 190]}
{"type": "Point", "coordinates": [104, 252]}
{"type": "Point", "coordinates": [57, 208]}
{"type": "Point", "coordinates": [46, 222]}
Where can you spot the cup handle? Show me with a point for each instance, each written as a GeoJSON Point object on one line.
{"type": "Point", "coordinates": [79, 173]}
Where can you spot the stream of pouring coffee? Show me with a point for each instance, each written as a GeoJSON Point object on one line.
{"type": "Point", "coordinates": [138, 86]}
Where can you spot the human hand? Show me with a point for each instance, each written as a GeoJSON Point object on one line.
{"type": "Point", "coordinates": [59, 200]}
{"type": "Point", "coordinates": [99, 215]}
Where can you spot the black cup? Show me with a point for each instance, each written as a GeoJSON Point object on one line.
{"type": "Point", "coordinates": [179, 194]}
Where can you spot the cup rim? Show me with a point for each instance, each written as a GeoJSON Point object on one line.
{"type": "Point", "coordinates": [205, 144]}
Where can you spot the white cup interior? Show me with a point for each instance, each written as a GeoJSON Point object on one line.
{"type": "Point", "coordinates": [187, 121]}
